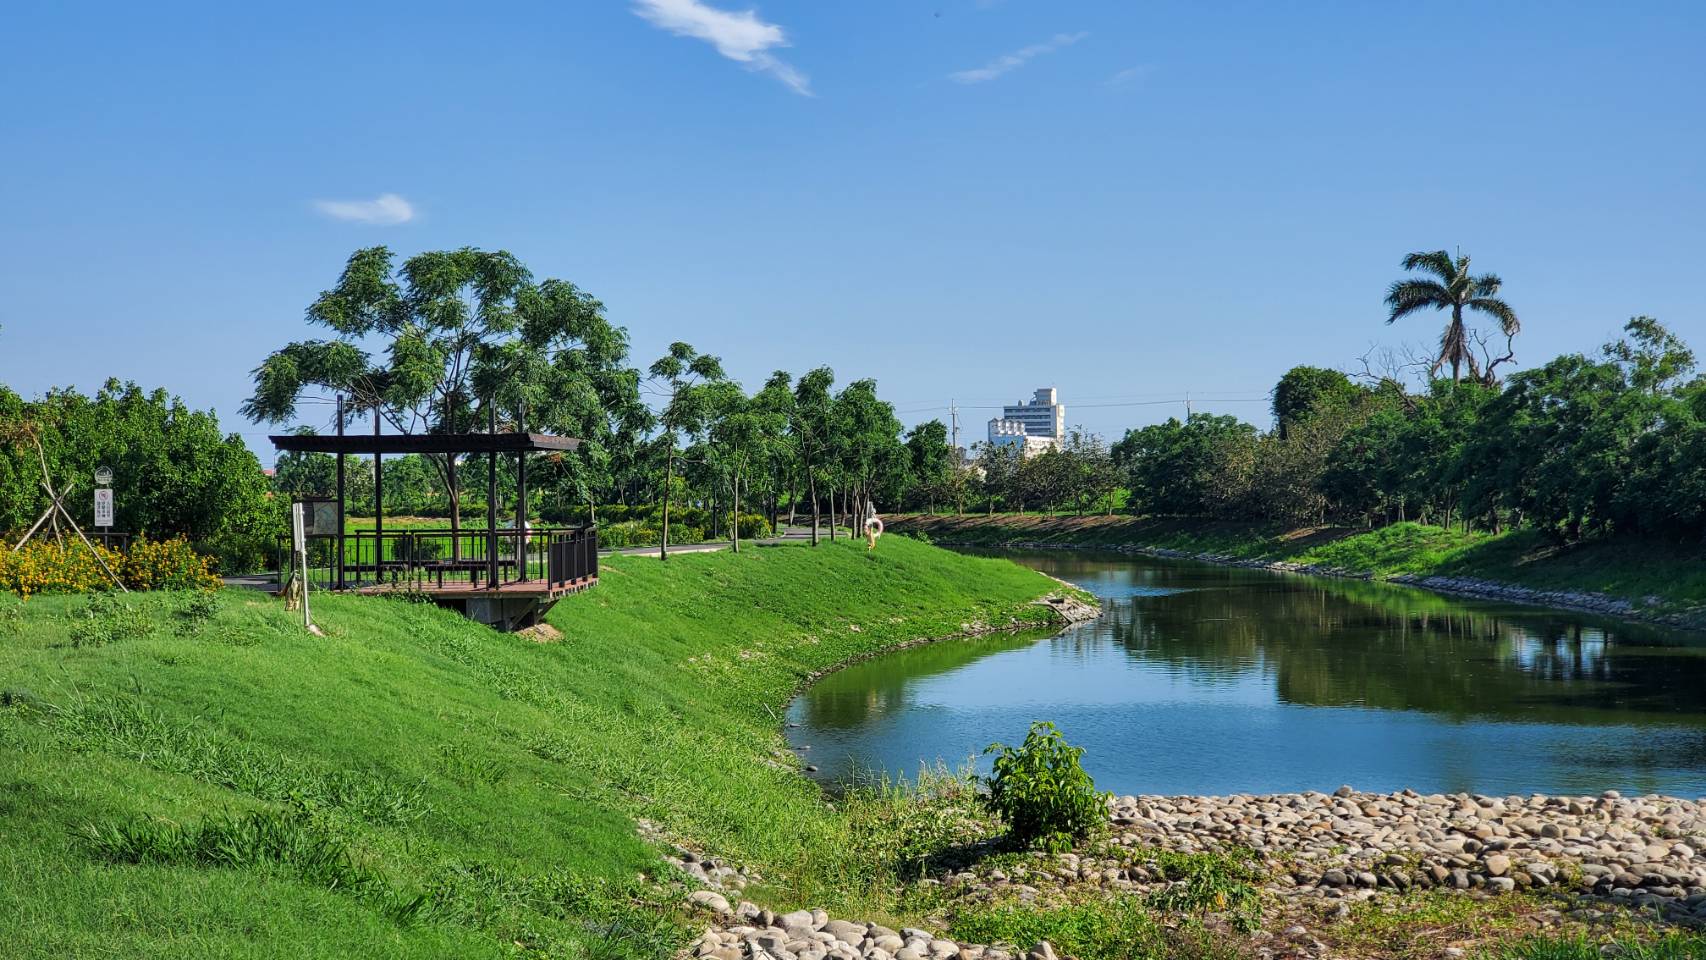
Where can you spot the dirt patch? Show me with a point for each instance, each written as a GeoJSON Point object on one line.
{"type": "Point", "coordinates": [541, 633]}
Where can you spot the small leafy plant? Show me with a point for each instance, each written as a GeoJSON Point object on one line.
{"type": "Point", "coordinates": [1042, 792]}
{"type": "Point", "coordinates": [107, 618]}
{"type": "Point", "coordinates": [194, 610]}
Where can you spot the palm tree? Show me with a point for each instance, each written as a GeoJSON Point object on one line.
{"type": "Point", "coordinates": [1455, 289]}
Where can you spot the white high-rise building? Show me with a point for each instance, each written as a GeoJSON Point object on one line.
{"type": "Point", "coordinates": [1036, 425]}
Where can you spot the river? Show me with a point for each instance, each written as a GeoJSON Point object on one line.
{"type": "Point", "coordinates": [1202, 679]}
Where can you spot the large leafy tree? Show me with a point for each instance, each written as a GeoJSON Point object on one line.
{"type": "Point", "coordinates": [1304, 391]}
{"type": "Point", "coordinates": [174, 472]}
{"type": "Point", "coordinates": [811, 430]}
{"type": "Point", "coordinates": [870, 456]}
{"type": "Point", "coordinates": [1180, 467]}
{"type": "Point", "coordinates": [1450, 286]}
{"type": "Point", "coordinates": [933, 463]}
{"type": "Point", "coordinates": [691, 383]}
{"type": "Point", "coordinates": [742, 434]}
{"type": "Point", "coordinates": [997, 468]}
{"type": "Point", "coordinates": [1091, 475]}
{"type": "Point", "coordinates": [462, 336]}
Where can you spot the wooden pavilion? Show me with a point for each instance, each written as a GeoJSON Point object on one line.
{"type": "Point", "coordinates": [506, 577]}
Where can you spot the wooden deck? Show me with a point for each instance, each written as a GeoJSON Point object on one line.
{"type": "Point", "coordinates": [541, 589]}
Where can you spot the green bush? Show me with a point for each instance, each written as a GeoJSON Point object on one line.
{"type": "Point", "coordinates": [109, 618]}
{"type": "Point", "coordinates": [11, 615]}
{"type": "Point", "coordinates": [1042, 792]}
{"type": "Point", "coordinates": [754, 526]}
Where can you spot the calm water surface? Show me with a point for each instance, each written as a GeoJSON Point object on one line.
{"type": "Point", "coordinates": [1212, 680]}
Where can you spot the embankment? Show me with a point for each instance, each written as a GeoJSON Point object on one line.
{"type": "Point", "coordinates": [190, 779]}
{"type": "Point", "coordinates": [1642, 580]}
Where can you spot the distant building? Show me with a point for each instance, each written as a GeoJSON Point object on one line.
{"type": "Point", "coordinates": [1035, 425]}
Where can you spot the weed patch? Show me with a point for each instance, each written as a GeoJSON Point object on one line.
{"type": "Point", "coordinates": [1122, 928]}
{"type": "Point", "coordinates": [263, 839]}
{"type": "Point", "coordinates": [107, 618]}
{"type": "Point", "coordinates": [1205, 883]}
{"type": "Point", "coordinates": [135, 731]}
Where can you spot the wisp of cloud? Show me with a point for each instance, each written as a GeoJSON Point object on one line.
{"type": "Point", "coordinates": [387, 209]}
{"type": "Point", "coordinates": [740, 36]}
{"type": "Point", "coordinates": [1018, 58]}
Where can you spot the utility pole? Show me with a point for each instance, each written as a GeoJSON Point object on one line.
{"type": "Point", "coordinates": [1187, 405]}
{"type": "Point", "coordinates": [954, 418]}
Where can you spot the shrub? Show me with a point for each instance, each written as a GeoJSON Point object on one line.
{"type": "Point", "coordinates": [46, 567]}
{"type": "Point", "coordinates": [754, 526]}
{"type": "Point", "coordinates": [167, 565]}
{"type": "Point", "coordinates": [1041, 790]}
{"type": "Point", "coordinates": [627, 533]}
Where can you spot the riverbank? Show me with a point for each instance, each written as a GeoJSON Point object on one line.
{"type": "Point", "coordinates": [193, 778]}
{"type": "Point", "coordinates": [1306, 875]}
{"type": "Point", "coordinates": [1647, 581]}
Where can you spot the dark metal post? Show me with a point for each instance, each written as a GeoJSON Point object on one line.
{"type": "Point", "coordinates": [340, 577]}
{"type": "Point", "coordinates": [521, 498]}
{"type": "Point", "coordinates": [492, 506]}
{"type": "Point", "coordinates": [378, 506]}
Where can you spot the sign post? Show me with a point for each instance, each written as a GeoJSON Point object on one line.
{"type": "Point", "coordinates": [104, 499]}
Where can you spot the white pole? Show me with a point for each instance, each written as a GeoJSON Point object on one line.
{"type": "Point", "coordinates": [299, 542]}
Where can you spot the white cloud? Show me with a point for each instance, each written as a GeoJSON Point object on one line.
{"type": "Point", "coordinates": [387, 209]}
{"type": "Point", "coordinates": [1016, 59]}
{"type": "Point", "coordinates": [740, 36]}
{"type": "Point", "coordinates": [1129, 74]}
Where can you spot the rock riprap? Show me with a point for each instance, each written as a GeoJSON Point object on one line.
{"type": "Point", "coordinates": [749, 931]}
{"type": "Point", "coordinates": [1350, 844]}
{"type": "Point", "coordinates": [1313, 848]}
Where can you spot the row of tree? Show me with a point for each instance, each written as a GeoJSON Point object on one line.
{"type": "Point", "coordinates": [456, 341]}
{"type": "Point", "coordinates": [1587, 444]}
{"type": "Point", "coordinates": [469, 338]}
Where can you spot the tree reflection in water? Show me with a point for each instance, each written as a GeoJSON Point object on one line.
{"type": "Point", "coordinates": [1220, 678]}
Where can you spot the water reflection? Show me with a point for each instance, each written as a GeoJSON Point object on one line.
{"type": "Point", "coordinates": [1211, 679]}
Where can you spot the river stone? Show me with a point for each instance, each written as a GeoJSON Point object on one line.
{"type": "Point", "coordinates": [846, 932]}
{"type": "Point", "coordinates": [800, 921]}
{"type": "Point", "coordinates": [1498, 865]}
{"type": "Point", "coordinates": [710, 900]}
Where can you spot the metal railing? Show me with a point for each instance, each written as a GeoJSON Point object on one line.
{"type": "Point", "coordinates": [439, 559]}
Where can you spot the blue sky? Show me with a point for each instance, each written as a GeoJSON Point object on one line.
{"type": "Point", "coordinates": [963, 198]}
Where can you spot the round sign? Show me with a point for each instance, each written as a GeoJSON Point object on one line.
{"type": "Point", "coordinates": [103, 476]}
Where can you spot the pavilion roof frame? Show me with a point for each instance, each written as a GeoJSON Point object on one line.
{"type": "Point", "coordinates": [493, 444]}
{"type": "Point", "coordinates": [434, 443]}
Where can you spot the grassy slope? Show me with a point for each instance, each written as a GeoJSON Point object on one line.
{"type": "Point", "coordinates": [1635, 570]}
{"type": "Point", "coordinates": [484, 785]}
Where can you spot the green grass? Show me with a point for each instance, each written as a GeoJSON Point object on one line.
{"type": "Point", "coordinates": [1664, 577]}
{"type": "Point", "coordinates": [209, 780]}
